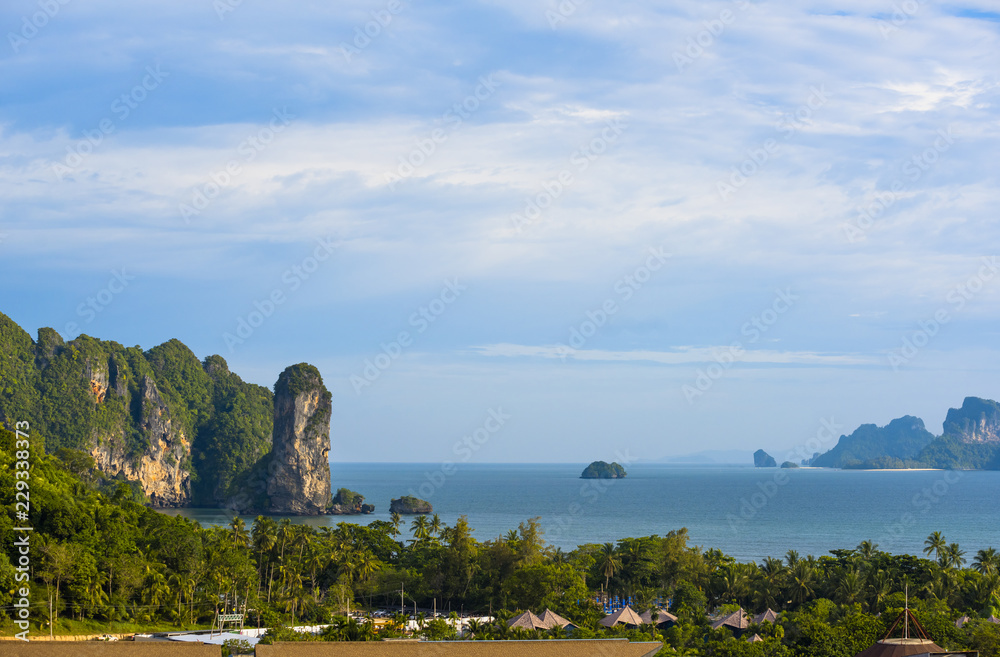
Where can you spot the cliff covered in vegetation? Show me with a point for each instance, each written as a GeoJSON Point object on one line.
{"type": "Point", "coordinates": [188, 432]}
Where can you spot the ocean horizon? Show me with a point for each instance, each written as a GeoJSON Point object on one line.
{"type": "Point", "coordinates": [749, 513]}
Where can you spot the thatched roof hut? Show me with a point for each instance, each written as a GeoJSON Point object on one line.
{"type": "Point", "coordinates": [551, 619]}
{"type": "Point", "coordinates": [905, 645]}
{"type": "Point", "coordinates": [769, 616]}
{"type": "Point", "coordinates": [754, 639]}
{"type": "Point", "coordinates": [624, 616]}
{"type": "Point", "coordinates": [663, 618]}
{"type": "Point", "coordinates": [962, 621]}
{"type": "Point", "coordinates": [527, 621]}
{"type": "Point", "coordinates": [735, 621]}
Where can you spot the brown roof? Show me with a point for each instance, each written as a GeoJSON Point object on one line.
{"type": "Point", "coordinates": [107, 648]}
{"type": "Point", "coordinates": [663, 616]}
{"type": "Point", "coordinates": [551, 619]}
{"type": "Point", "coordinates": [625, 615]}
{"type": "Point", "coordinates": [962, 621]}
{"type": "Point", "coordinates": [769, 616]}
{"type": "Point", "coordinates": [754, 639]}
{"type": "Point", "coordinates": [993, 619]}
{"type": "Point", "coordinates": [545, 648]}
{"type": "Point", "coordinates": [737, 620]}
{"type": "Point", "coordinates": [527, 621]}
{"type": "Point", "coordinates": [900, 648]}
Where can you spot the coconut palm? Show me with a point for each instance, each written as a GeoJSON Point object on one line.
{"type": "Point", "coordinates": [935, 544]}
{"type": "Point", "coordinates": [608, 562]}
{"type": "Point", "coordinates": [420, 528]}
{"type": "Point", "coordinates": [986, 561]}
{"type": "Point", "coordinates": [396, 521]}
{"type": "Point", "coordinates": [435, 525]}
{"type": "Point", "coordinates": [952, 556]}
{"type": "Point", "coordinates": [851, 588]}
{"type": "Point", "coordinates": [867, 550]}
{"type": "Point", "coordinates": [801, 581]}
{"type": "Point", "coordinates": [239, 533]}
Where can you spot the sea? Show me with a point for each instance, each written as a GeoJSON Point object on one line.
{"type": "Point", "coordinates": [748, 513]}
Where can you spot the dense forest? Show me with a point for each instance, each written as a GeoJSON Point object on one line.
{"type": "Point", "coordinates": [102, 557]}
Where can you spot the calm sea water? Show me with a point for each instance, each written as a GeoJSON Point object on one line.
{"type": "Point", "coordinates": [747, 512]}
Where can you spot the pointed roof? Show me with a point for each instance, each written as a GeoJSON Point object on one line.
{"type": "Point", "coordinates": [737, 620]}
{"type": "Point", "coordinates": [551, 619]}
{"type": "Point", "coordinates": [754, 639]}
{"type": "Point", "coordinates": [625, 616]}
{"type": "Point", "coordinates": [769, 616]}
{"type": "Point", "coordinates": [962, 621]}
{"type": "Point", "coordinates": [527, 621]}
{"type": "Point", "coordinates": [905, 645]}
{"type": "Point", "coordinates": [994, 619]}
{"type": "Point", "coordinates": [663, 616]}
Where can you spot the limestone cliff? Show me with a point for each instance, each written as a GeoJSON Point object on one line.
{"type": "Point", "coordinates": [161, 467]}
{"type": "Point", "coordinates": [298, 473]}
{"type": "Point", "coordinates": [978, 421]}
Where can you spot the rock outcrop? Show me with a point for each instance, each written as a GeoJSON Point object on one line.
{"type": "Point", "coordinates": [409, 505]}
{"type": "Point", "coordinates": [978, 421]}
{"type": "Point", "coordinates": [348, 503]}
{"type": "Point", "coordinates": [161, 468]}
{"type": "Point", "coordinates": [603, 470]}
{"type": "Point", "coordinates": [298, 472]}
{"type": "Point", "coordinates": [762, 459]}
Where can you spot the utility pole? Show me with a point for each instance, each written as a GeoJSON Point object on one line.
{"type": "Point", "coordinates": [402, 604]}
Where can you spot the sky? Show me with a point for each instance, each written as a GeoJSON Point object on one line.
{"type": "Point", "coordinates": [522, 231]}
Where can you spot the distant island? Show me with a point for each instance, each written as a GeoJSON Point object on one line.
{"type": "Point", "coordinates": [762, 459]}
{"type": "Point", "coordinates": [970, 441]}
{"type": "Point", "coordinates": [603, 470]}
{"type": "Point", "coordinates": [789, 464]}
{"type": "Point", "coordinates": [349, 503]}
{"type": "Point", "coordinates": [409, 505]}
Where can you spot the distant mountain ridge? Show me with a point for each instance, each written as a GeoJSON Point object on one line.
{"type": "Point", "coordinates": [970, 441]}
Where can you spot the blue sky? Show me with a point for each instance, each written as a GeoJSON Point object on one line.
{"type": "Point", "coordinates": [638, 229]}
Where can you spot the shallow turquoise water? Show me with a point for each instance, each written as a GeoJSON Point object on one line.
{"type": "Point", "coordinates": [747, 512]}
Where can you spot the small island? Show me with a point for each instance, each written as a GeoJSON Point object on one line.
{"type": "Point", "coordinates": [409, 505]}
{"type": "Point", "coordinates": [349, 503]}
{"type": "Point", "coordinates": [789, 464]}
{"type": "Point", "coordinates": [603, 470]}
{"type": "Point", "coordinates": [762, 459]}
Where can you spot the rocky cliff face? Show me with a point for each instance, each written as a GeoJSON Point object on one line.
{"type": "Point", "coordinates": [762, 459]}
{"type": "Point", "coordinates": [978, 421]}
{"type": "Point", "coordinates": [161, 467]}
{"type": "Point", "coordinates": [298, 473]}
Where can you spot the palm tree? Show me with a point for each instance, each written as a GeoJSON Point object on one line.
{"type": "Point", "coordinates": [435, 525]}
{"type": "Point", "coordinates": [802, 575]}
{"type": "Point", "coordinates": [792, 558]}
{"type": "Point", "coordinates": [851, 587]}
{"type": "Point", "coordinates": [420, 528]}
{"type": "Point", "coordinates": [241, 537]}
{"type": "Point", "coordinates": [952, 556]}
{"type": "Point", "coordinates": [935, 544]}
{"type": "Point", "coordinates": [986, 561]}
{"type": "Point", "coordinates": [396, 521]}
{"type": "Point", "coordinates": [880, 587]}
{"type": "Point", "coordinates": [868, 550]}
{"type": "Point", "coordinates": [608, 562]}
